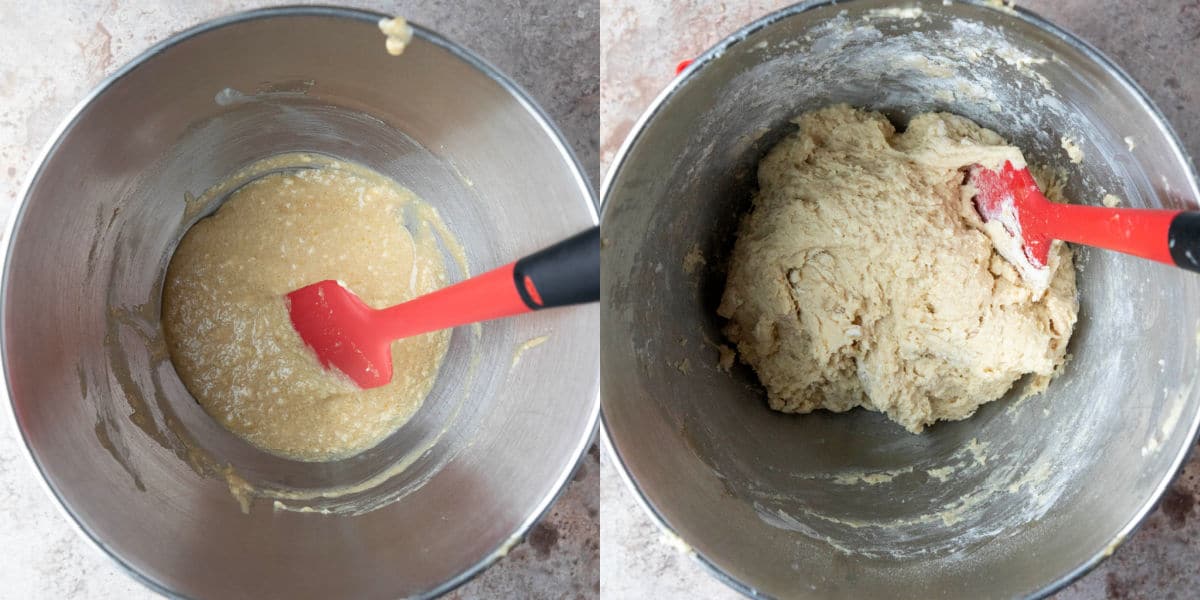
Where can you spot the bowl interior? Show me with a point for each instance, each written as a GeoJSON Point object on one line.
{"type": "Point", "coordinates": [1006, 503]}
{"type": "Point", "coordinates": [120, 441]}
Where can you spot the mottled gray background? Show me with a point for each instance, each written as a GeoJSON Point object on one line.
{"type": "Point", "coordinates": [1157, 42]}
{"type": "Point", "coordinates": [53, 52]}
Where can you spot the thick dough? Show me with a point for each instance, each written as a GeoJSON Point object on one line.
{"type": "Point", "coordinates": [226, 318]}
{"type": "Point", "coordinates": [861, 277]}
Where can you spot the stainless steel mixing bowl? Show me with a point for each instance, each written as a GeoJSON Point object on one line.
{"type": "Point", "coordinates": [137, 464]}
{"type": "Point", "coordinates": [1017, 500]}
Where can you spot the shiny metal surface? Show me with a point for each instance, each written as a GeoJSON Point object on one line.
{"type": "Point", "coordinates": [1017, 500]}
{"type": "Point", "coordinates": [104, 416]}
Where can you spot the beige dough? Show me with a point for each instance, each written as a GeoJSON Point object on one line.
{"type": "Point", "coordinates": [861, 277]}
{"type": "Point", "coordinates": [399, 34]}
{"type": "Point", "coordinates": [226, 320]}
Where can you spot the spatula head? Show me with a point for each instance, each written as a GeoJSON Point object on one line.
{"type": "Point", "coordinates": [341, 329]}
{"type": "Point", "coordinates": [1012, 209]}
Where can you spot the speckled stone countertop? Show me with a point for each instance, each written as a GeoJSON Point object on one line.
{"type": "Point", "coordinates": [53, 52]}
{"type": "Point", "coordinates": [1157, 42]}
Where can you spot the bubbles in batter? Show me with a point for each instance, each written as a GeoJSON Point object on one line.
{"type": "Point", "coordinates": [226, 318]}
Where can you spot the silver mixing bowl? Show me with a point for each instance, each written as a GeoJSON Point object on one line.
{"type": "Point", "coordinates": [122, 446]}
{"type": "Point", "coordinates": [1017, 500]}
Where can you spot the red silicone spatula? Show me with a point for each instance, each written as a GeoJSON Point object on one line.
{"type": "Point", "coordinates": [357, 340]}
{"type": "Point", "coordinates": [1028, 222]}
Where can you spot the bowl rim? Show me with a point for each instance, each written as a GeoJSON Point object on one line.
{"type": "Point", "coordinates": [33, 175]}
{"type": "Point", "coordinates": [714, 53]}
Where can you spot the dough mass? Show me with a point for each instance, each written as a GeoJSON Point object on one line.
{"type": "Point", "coordinates": [861, 277]}
{"type": "Point", "coordinates": [226, 318]}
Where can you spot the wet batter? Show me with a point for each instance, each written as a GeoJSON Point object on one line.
{"type": "Point", "coordinates": [226, 318]}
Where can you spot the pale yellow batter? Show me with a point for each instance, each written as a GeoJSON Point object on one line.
{"type": "Point", "coordinates": [226, 318]}
{"type": "Point", "coordinates": [862, 277]}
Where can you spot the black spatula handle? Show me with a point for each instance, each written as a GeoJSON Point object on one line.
{"type": "Point", "coordinates": [563, 274]}
{"type": "Point", "coordinates": [1183, 240]}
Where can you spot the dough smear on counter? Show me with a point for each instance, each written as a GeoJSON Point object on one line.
{"type": "Point", "coordinates": [862, 276]}
{"type": "Point", "coordinates": [226, 319]}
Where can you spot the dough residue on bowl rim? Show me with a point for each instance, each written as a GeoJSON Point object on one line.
{"type": "Point", "coordinates": [399, 34]}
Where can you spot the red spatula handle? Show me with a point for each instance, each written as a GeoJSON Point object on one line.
{"type": "Point", "coordinates": [565, 273]}
{"type": "Point", "coordinates": [1168, 236]}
